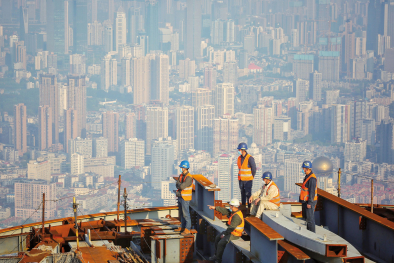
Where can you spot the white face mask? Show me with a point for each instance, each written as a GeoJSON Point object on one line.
{"type": "Point", "coordinates": [180, 170]}
{"type": "Point", "coordinates": [239, 152]}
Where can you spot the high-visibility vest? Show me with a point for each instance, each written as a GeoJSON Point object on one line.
{"type": "Point", "coordinates": [240, 228]}
{"type": "Point", "coordinates": [276, 199]}
{"type": "Point", "coordinates": [304, 195]}
{"type": "Point", "coordinates": [187, 192]}
{"type": "Point", "coordinates": [245, 172]}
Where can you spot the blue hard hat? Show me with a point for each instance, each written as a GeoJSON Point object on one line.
{"type": "Point", "coordinates": [307, 164]}
{"type": "Point", "coordinates": [267, 175]}
{"type": "Point", "coordinates": [242, 146]}
{"type": "Point", "coordinates": [185, 164]}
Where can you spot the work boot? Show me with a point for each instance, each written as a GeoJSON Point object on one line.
{"type": "Point", "coordinates": [213, 258]}
{"type": "Point", "coordinates": [185, 232]}
{"type": "Point", "coordinates": [179, 229]}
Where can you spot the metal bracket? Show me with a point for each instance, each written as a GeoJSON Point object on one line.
{"type": "Point", "coordinates": [217, 213]}
{"type": "Point", "coordinates": [202, 226]}
{"type": "Point", "coordinates": [186, 249]}
{"type": "Point", "coordinates": [211, 234]}
{"type": "Point", "coordinates": [319, 205]}
{"type": "Point", "coordinates": [241, 258]}
{"type": "Point", "coordinates": [362, 223]}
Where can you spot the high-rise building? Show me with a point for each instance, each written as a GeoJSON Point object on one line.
{"type": "Point", "coordinates": [225, 134]}
{"type": "Point", "coordinates": [315, 86]}
{"type": "Point", "coordinates": [20, 56]}
{"type": "Point", "coordinates": [210, 77]}
{"type": "Point", "coordinates": [80, 26]}
{"type": "Point", "coordinates": [108, 39]}
{"type": "Point", "coordinates": [132, 153]}
{"type": "Point", "coordinates": [329, 65]}
{"type": "Point", "coordinates": [201, 97]}
{"type": "Point", "coordinates": [45, 127]}
{"type": "Point", "coordinates": [369, 131]}
{"type": "Point", "coordinates": [20, 130]}
{"type": "Point", "coordinates": [340, 123]}
{"type": "Point", "coordinates": [167, 192]}
{"type": "Point", "coordinates": [152, 24]}
{"type": "Point", "coordinates": [358, 112]}
{"type": "Point", "coordinates": [303, 66]}
{"type": "Point", "coordinates": [263, 121]}
{"type": "Point", "coordinates": [100, 147]}
{"type": "Point", "coordinates": [80, 146]}
{"type": "Point", "coordinates": [301, 90]}
{"type": "Point", "coordinates": [282, 129]}
{"type": "Point", "coordinates": [293, 175]}
{"type": "Point", "coordinates": [111, 130]}
{"type": "Point", "coordinates": [224, 177]}
{"type": "Point", "coordinates": [57, 26]}
{"type": "Point", "coordinates": [39, 169]}
{"type": "Point", "coordinates": [187, 68]}
{"type": "Point", "coordinates": [185, 128]}
{"type": "Point", "coordinates": [230, 72]}
{"type": "Point", "coordinates": [130, 125]}
{"type": "Point", "coordinates": [28, 197]}
{"type": "Point", "coordinates": [386, 150]}
{"type": "Point", "coordinates": [140, 79]}
{"type": "Point", "coordinates": [156, 125]}
{"type": "Point", "coordinates": [193, 29]}
{"type": "Point", "coordinates": [162, 161]}
{"type": "Point", "coordinates": [109, 73]}
{"type": "Point", "coordinates": [77, 164]}
{"type": "Point", "coordinates": [76, 99]}
{"type": "Point", "coordinates": [160, 81]}
{"type": "Point", "coordinates": [49, 96]}
{"type": "Point", "coordinates": [224, 99]}
{"type": "Point", "coordinates": [135, 24]}
{"type": "Point", "coordinates": [355, 151]}
{"type": "Point", "coordinates": [70, 129]}
{"type": "Point", "coordinates": [204, 116]}
{"type": "Point", "coordinates": [332, 96]}
{"type": "Point", "coordinates": [389, 59]}
{"type": "Point", "coordinates": [121, 28]}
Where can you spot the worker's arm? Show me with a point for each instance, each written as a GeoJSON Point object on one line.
{"type": "Point", "coordinates": [312, 188]}
{"type": "Point", "coordinates": [223, 210]}
{"type": "Point", "coordinates": [256, 194]}
{"type": "Point", "coordinates": [235, 221]}
{"type": "Point", "coordinates": [272, 192]}
{"type": "Point", "coordinates": [187, 183]}
{"type": "Point", "coordinates": [252, 165]}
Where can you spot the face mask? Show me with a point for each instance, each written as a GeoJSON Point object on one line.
{"type": "Point", "coordinates": [239, 152]}
{"type": "Point", "coordinates": [230, 209]}
{"type": "Point", "coordinates": [180, 170]}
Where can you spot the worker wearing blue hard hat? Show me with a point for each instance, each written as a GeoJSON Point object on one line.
{"type": "Point", "coordinates": [308, 196]}
{"type": "Point", "coordinates": [266, 198]}
{"type": "Point", "coordinates": [247, 171]}
{"type": "Point", "coordinates": [184, 184]}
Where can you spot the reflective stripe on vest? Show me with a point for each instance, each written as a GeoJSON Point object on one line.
{"type": "Point", "coordinates": [245, 172]}
{"type": "Point", "coordinates": [276, 199]}
{"type": "Point", "coordinates": [304, 195]}
{"type": "Point", "coordinates": [240, 228]}
{"type": "Point", "coordinates": [187, 192]}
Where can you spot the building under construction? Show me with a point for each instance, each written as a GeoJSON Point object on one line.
{"type": "Point", "coordinates": [345, 232]}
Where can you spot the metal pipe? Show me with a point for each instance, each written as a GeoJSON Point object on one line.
{"type": "Point", "coordinates": [125, 210]}
{"type": "Point", "coordinates": [43, 213]}
{"type": "Point", "coordinates": [339, 182]}
{"type": "Point", "coordinates": [119, 182]}
{"type": "Point", "coordinates": [75, 206]}
{"type": "Point", "coordinates": [372, 196]}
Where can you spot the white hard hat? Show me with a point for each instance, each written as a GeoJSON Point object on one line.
{"type": "Point", "coordinates": [234, 202]}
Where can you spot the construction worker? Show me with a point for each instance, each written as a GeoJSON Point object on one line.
{"type": "Point", "coordinates": [267, 197]}
{"type": "Point", "coordinates": [247, 170]}
{"type": "Point", "coordinates": [234, 231]}
{"type": "Point", "coordinates": [308, 196]}
{"type": "Point", "coordinates": [184, 184]}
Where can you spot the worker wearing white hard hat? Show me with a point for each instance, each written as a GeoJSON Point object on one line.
{"type": "Point", "coordinates": [234, 231]}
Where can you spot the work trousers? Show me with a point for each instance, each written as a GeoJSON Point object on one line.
{"type": "Point", "coordinates": [184, 213]}
{"type": "Point", "coordinates": [257, 210]}
{"type": "Point", "coordinates": [246, 191]}
{"type": "Point", "coordinates": [309, 215]}
{"type": "Point", "coordinates": [221, 243]}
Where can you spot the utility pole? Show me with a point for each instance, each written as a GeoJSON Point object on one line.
{"type": "Point", "coordinates": [43, 213]}
{"type": "Point", "coordinates": [372, 196]}
{"type": "Point", "coordinates": [339, 183]}
{"type": "Point", "coordinates": [75, 206]}
{"type": "Point", "coordinates": [119, 182]}
{"type": "Point", "coordinates": [125, 210]}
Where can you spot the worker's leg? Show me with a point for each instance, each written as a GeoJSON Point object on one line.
{"type": "Point", "coordinates": [310, 217]}
{"type": "Point", "coordinates": [221, 246]}
{"type": "Point", "coordinates": [186, 214]}
{"type": "Point", "coordinates": [180, 212]}
{"type": "Point", "coordinates": [242, 190]}
{"type": "Point", "coordinates": [265, 205]}
{"type": "Point", "coordinates": [248, 191]}
{"type": "Point", "coordinates": [254, 208]}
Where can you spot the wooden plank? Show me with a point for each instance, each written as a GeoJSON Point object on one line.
{"type": "Point", "coordinates": [293, 250]}
{"type": "Point", "coordinates": [296, 214]}
{"type": "Point", "coordinates": [264, 229]}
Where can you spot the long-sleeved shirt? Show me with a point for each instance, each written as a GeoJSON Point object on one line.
{"type": "Point", "coordinates": [181, 186]}
{"type": "Point", "coordinates": [251, 163]}
{"type": "Point", "coordinates": [311, 185]}
{"type": "Point", "coordinates": [235, 221]}
{"type": "Point", "coordinates": [263, 194]}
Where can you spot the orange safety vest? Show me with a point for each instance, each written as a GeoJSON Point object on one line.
{"type": "Point", "coordinates": [245, 172]}
{"type": "Point", "coordinates": [304, 195]}
{"type": "Point", "coordinates": [187, 192]}
{"type": "Point", "coordinates": [240, 228]}
{"type": "Point", "coordinates": [276, 199]}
